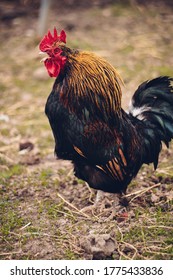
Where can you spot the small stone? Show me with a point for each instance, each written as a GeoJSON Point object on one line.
{"type": "Point", "coordinates": [100, 246]}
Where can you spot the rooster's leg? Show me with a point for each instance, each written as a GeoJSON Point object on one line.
{"type": "Point", "coordinates": [113, 206]}
{"type": "Point", "coordinates": [91, 208]}
{"type": "Point", "coordinates": [105, 203]}
{"type": "Point", "coordinates": [118, 207]}
{"type": "Point", "coordinates": [99, 196]}
{"type": "Point", "coordinates": [109, 204]}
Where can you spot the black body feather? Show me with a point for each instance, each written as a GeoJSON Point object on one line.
{"type": "Point", "coordinates": [107, 152]}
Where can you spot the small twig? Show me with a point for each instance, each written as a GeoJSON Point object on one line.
{"type": "Point", "coordinates": [91, 193]}
{"type": "Point", "coordinates": [120, 231]}
{"type": "Point", "coordinates": [122, 254]}
{"type": "Point", "coordinates": [16, 234]}
{"type": "Point", "coordinates": [104, 228]}
{"type": "Point", "coordinates": [34, 233]}
{"type": "Point", "coordinates": [65, 213]}
{"type": "Point", "coordinates": [133, 247]}
{"type": "Point", "coordinates": [70, 172]}
{"type": "Point", "coordinates": [138, 193]}
{"type": "Point", "coordinates": [72, 206]}
{"type": "Point", "coordinates": [28, 224]}
{"type": "Point", "coordinates": [160, 248]}
{"type": "Point", "coordinates": [156, 226]}
{"type": "Point", "coordinates": [167, 201]}
{"type": "Point", "coordinates": [158, 253]}
{"type": "Point", "coordinates": [10, 253]}
{"type": "Point", "coordinates": [75, 212]}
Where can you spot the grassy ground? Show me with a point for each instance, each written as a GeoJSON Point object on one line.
{"type": "Point", "coordinates": [40, 199]}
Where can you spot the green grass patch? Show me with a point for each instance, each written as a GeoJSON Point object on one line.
{"type": "Point", "coordinates": [10, 219]}
{"type": "Point", "coordinates": [10, 172]}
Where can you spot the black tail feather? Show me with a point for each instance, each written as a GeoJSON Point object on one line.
{"type": "Point", "coordinates": [152, 104]}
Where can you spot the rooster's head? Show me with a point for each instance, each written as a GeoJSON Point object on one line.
{"type": "Point", "coordinates": [50, 44]}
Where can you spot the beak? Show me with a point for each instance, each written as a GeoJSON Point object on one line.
{"type": "Point", "coordinates": [41, 53]}
{"type": "Point", "coordinates": [44, 58]}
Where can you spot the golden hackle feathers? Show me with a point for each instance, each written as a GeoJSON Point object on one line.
{"type": "Point", "coordinates": [93, 79]}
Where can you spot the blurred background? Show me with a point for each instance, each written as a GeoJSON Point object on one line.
{"type": "Point", "coordinates": [136, 37]}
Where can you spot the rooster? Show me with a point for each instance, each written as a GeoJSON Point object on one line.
{"type": "Point", "coordinates": [106, 145]}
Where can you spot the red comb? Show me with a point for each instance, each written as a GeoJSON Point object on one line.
{"type": "Point", "coordinates": [49, 39]}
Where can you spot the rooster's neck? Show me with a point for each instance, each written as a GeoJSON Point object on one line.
{"type": "Point", "coordinates": [90, 83]}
